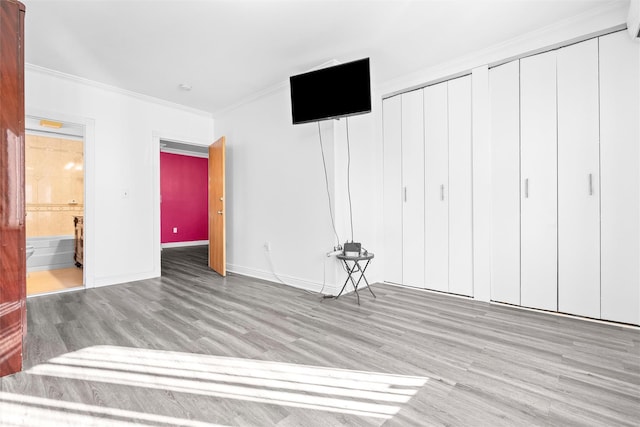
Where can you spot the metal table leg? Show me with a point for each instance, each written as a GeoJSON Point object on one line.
{"type": "Point", "coordinates": [350, 271]}
{"type": "Point", "coordinates": [362, 276]}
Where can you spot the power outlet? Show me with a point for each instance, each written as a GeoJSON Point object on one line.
{"type": "Point", "coordinates": [175, 230]}
{"type": "Point", "coordinates": [267, 246]}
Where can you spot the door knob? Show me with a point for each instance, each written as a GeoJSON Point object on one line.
{"type": "Point", "coordinates": [219, 212]}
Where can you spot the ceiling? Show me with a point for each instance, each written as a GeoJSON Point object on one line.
{"type": "Point", "coordinates": [228, 51]}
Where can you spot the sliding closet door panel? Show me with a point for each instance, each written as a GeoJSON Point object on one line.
{"type": "Point", "coordinates": [413, 183]}
{"type": "Point", "coordinates": [436, 188]}
{"type": "Point", "coordinates": [504, 86]}
{"type": "Point", "coordinates": [578, 180]}
{"type": "Point", "coordinates": [620, 177]}
{"type": "Point", "coordinates": [392, 158]}
{"type": "Point", "coordinates": [460, 189]}
{"type": "Point", "coordinates": [538, 143]}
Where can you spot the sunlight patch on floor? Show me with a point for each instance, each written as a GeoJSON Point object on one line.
{"type": "Point", "coordinates": [360, 393]}
{"type": "Point", "coordinates": [22, 410]}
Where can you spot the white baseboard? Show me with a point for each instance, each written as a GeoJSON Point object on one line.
{"type": "Point", "coordinates": [117, 280]}
{"type": "Point", "coordinates": [329, 289]}
{"type": "Point", "coordinates": [183, 244]}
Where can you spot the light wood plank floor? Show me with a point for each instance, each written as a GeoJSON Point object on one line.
{"type": "Point", "coordinates": [39, 282]}
{"type": "Point", "coordinates": [192, 346]}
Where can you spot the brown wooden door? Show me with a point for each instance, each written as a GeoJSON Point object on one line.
{"type": "Point", "coordinates": [13, 325]}
{"type": "Point", "coordinates": [217, 214]}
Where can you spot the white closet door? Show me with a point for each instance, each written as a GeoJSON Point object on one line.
{"type": "Point", "coordinates": [504, 86]}
{"type": "Point", "coordinates": [460, 189]}
{"type": "Point", "coordinates": [436, 260]}
{"type": "Point", "coordinates": [413, 183]}
{"type": "Point", "coordinates": [392, 150]}
{"type": "Point", "coordinates": [538, 145]}
{"type": "Point", "coordinates": [578, 180]}
{"type": "Point", "coordinates": [620, 177]}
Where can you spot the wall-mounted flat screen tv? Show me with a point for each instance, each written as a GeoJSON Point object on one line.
{"type": "Point", "coordinates": [333, 92]}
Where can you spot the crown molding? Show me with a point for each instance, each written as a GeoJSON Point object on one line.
{"type": "Point", "coordinates": [253, 97]}
{"type": "Point", "coordinates": [269, 90]}
{"type": "Point", "coordinates": [109, 88]}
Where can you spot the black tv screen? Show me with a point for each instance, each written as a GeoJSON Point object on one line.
{"type": "Point", "coordinates": [338, 91]}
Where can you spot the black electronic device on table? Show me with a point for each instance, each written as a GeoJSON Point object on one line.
{"type": "Point", "coordinates": [352, 249]}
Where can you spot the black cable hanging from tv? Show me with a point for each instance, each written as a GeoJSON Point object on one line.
{"type": "Point", "coordinates": [326, 180]}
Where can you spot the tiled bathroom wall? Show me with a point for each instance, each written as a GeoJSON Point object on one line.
{"type": "Point", "coordinates": [54, 188]}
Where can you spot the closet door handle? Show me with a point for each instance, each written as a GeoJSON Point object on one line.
{"type": "Point", "coordinates": [442, 192]}
{"type": "Point", "coordinates": [404, 190]}
{"type": "Point", "coordinates": [526, 188]}
{"type": "Point", "coordinates": [591, 184]}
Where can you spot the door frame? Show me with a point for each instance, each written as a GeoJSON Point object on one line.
{"type": "Point", "coordinates": [156, 137]}
{"type": "Point", "coordinates": [89, 187]}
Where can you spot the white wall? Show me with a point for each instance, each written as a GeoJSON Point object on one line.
{"type": "Point", "coordinates": [121, 233]}
{"type": "Point", "coordinates": [276, 191]}
{"type": "Point", "coordinates": [366, 185]}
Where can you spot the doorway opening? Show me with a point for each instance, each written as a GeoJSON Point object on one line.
{"type": "Point", "coordinates": [183, 200]}
{"type": "Point", "coordinates": [212, 190]}
{"type": "Point", "coordinates": [54, 198]}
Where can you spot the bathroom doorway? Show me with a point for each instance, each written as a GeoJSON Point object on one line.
{"type": "Point", "coordinates": [54, 196]}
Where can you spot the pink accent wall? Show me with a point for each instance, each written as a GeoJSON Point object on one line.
{"type": "Point", "coordinates": [184, 192]}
